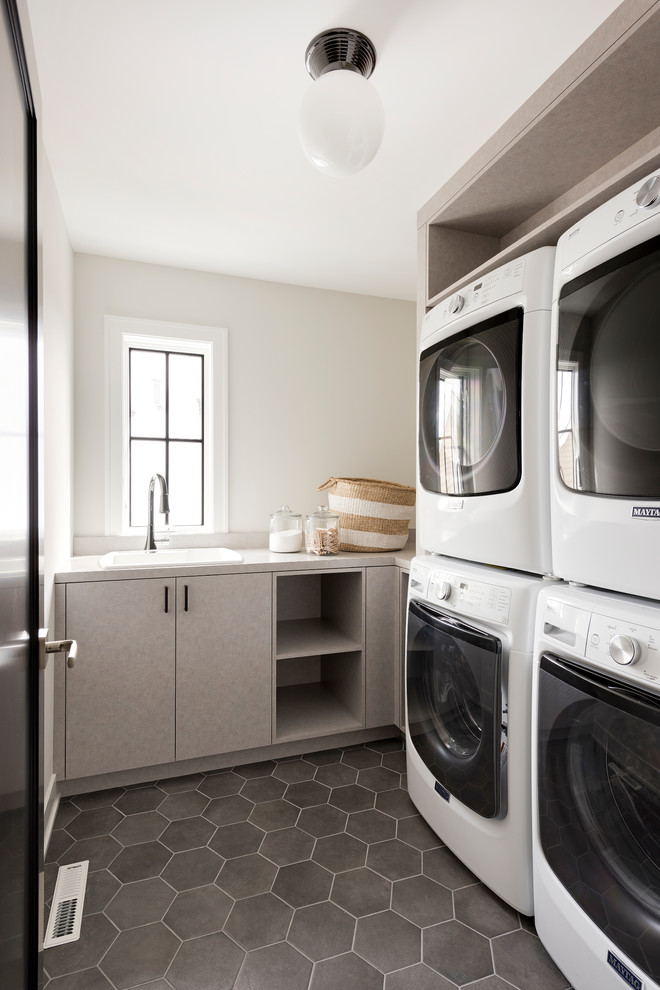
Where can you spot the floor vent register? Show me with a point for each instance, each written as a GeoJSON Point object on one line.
{"type": "Point", "coordinates": [66, 913]}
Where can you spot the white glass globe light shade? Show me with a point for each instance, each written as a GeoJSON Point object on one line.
{"type": "Point", "coordinates": [341, 122]}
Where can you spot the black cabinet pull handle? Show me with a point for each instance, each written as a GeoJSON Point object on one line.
{"type": "Point", "coordinates": [167, 598]}
{"type": "Point", "coordinates": [185, 598]}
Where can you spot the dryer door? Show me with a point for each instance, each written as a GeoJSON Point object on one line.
{"type": "Point", "coordinates": [454, 693]}
{"type": "Point", "coordinates": [599, 802]}
{"type": "Point", "coordinates": [469, 409]}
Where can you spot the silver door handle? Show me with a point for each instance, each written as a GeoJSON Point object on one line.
{"type": "Point", "coordinates": [46, 647]}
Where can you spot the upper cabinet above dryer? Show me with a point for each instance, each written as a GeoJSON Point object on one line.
{"type": "Point", "coordinates": [586, 134]}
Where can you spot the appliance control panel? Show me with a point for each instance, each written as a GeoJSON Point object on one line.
{"type": "Point", "coordinates": [490, 288]}
{"type": "Point", "coordinates": [614, 643]}
{"type": "Point", "coordinates": [634, 205]}
{"type": "Point", "coordinates": [466, 596]}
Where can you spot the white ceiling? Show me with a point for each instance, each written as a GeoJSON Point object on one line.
{"type": "Point", "coordinates": [171, 127]}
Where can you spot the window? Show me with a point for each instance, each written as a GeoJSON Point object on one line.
{"type": "Point", "coordinates": [167, 402]}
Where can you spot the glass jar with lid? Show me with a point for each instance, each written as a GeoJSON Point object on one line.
{"type": "Point", "coordinates": [286, 531]}
{"type": "Point", "coordinates": [322, 532]}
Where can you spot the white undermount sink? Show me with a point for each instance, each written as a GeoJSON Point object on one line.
{"type": "Point", "coordinates": [170, 558]}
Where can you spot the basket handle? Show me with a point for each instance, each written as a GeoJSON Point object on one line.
{"type": "Point", "coordinates": [330, 483]}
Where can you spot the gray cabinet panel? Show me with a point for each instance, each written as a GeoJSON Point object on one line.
{"type": "Point", "coordinates": [382, 670]}
{"type": "Point", "coordinates": [120, 694]}
{"type": "Point", "coordinates": [223, 668]}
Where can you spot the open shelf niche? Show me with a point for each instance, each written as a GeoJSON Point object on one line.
{"type": "Point", "coordinates": [318, 668]}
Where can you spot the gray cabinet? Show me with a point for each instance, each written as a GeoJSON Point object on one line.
{"type": "Point", "coordinates": [382, 643]}
{"type": "Point", "coordinates": [119, 707]}
{"type": "Point", "coordinates": [223, 663]}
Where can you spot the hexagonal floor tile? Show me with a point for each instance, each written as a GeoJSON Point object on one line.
{"type": "Point", "coordinates": [394, 859]}
{"type": "Point", "coordinates": [221, 784]}
{"type": "Point", "coordinates": [193, 868]}
{"type": "Point", "coordinates": [101, 888]}
{"type": "Point", "coordinates": [361, 758]}
{"type": "Point", "coordinates": [395, 761]}
{"type": "Point", "coordinates": [294, 771]}
{"type": "Point", "coordinates": [422, 901]}
{"type": "Point", "coordinates": [322, 930]}
{"type": "Point", "coordinates": [420, 977]}
{"type": "Point", "coordinates": [140, 799]}
{"type": "Point", "coordinates": [184, 804]}
{"type": "Point", "coordinates": [246, 876]}
{"type": "Point", "coordinates": [457, 952]}
{"type": "Point", "coordinates": [263, 789]}
{"type": "Point", "coordinates": [322, 820]}
{"type": "Point", "coordinates": [227, 810]}
{"type": "Point", "coordinates": [211, 962]}
{"type": "Point", "coordinates": [97, 799]}
{"type": "Point", "coordinates": [302, 883]}
{"type": "Point", "coordinates": [88, 979]}
{"type": "Point", "coordinates": [189, 833]}
{"type": "Point", "coordinates": [278, 967]}
{"type": "Point", "coordinates": [287, 845]}
{"type": "Point", "coordinates": [518, 954]}
{"type": "Point", "coordinates": [345, 971]}
{"type": "Point", "coordinates": [274, 814]}
{"type": "Point", "coordinates": [96, 936]}
{"type": "Point", "coordinates": [395, 803]}
{"type": "Point", "coordinates": [262, 769]}
{"type": "Point", "coordinates": [140, 862]}
{"type": "Point", "coordinates": [237, 839]}
{"type": "Point", "coordinates": [416, 832]}
{"type": "Point", "coordinates": [324, 757]}
{"type": "Point", "coordinates": [378, 779]}
{"type": "Point", "coordinates": [60, 841]}
{"type": "Point", "coordinates": [481, 909]}
{"type": "Point", "coordinates": [340, 852]}
{"type": "Point", "coordinates": [388, 941]}
{"type": "Point", "coordinates": [352, 798]}
{"type": "Point", "coordinates": [371, 826]}
{"type": "Point", "coordinates": [307, 793]}
{"type": "Point", "coordinates": [140, 903]}
{"type": "Point", "coordinates": [361, 892]}
{"type": "Point", "coordinates": [198, 912]}
{"type": "Point", "coordinates": [336, 775]}
{"type": "Point", "coordinates": [258, 921]}
{"type": "Point", "coordinates": [138, 828]}
{"type": "Point", "coordinates": [442, 866]}
{"type": "Point", "coordinates": [100, 851]}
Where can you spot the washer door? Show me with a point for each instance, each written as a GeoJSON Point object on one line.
{"type": "Point", "coordinates": [469, 409]}
{"type": "Point", "coordinates": [599, 802]}
{"type": "Point", "coordinates": [454, 692]}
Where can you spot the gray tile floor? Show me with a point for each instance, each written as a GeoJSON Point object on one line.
{"type": "Point", "coordinates": [309, 873]}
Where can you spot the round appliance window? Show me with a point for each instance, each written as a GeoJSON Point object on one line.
{"type": "Point", "coordinates": [453, 703]}
{"type": "Point", "coordinates": [625, 365]}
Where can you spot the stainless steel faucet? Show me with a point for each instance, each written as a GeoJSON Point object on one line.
{"type": "Point", "coordinates": [164, 507]}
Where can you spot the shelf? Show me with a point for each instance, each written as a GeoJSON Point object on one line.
{"type": "Point", "coordinates": [587, 133]}
{"type": "Point", "coordinates": [308, 710]}
{"type": "Point", "coordinates": [309, 637]}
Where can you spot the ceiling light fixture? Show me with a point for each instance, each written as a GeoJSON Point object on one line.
{"type": "Point", "coordinates": [341, 116]}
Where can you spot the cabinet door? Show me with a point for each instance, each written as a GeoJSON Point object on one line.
{"type": "Point", "coordinates": [223, 666]}
{"type": "Point", "coordinates": [120, 694]}
{"type": "Point", "coordinates": [382, 667]}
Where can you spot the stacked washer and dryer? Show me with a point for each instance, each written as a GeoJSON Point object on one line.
{"type": "Point", "coordinates": [533, 657]}
{"type": "Point", "coordinates": [596, 690]}
{"type": "Point", "coordinates": [483, 521]}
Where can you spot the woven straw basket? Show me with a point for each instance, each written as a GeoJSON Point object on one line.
{"type": "Point", "coordinates": [373, 515]}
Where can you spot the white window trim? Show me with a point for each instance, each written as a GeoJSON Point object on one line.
{"type": "Point", "coordinates": [122, 332]}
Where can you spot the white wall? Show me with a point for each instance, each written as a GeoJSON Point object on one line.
{"type": "Point", "coordinates": [57, 337]}
{"type": "Point", "coordinates": [320, 383]}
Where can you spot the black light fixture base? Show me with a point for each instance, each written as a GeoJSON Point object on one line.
{"type": "Point", "coordinates": [340, 48]}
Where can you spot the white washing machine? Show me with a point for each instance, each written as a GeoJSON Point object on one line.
{"type": "Point", "coordinates": [483, 407]}
{"type": "Point", "coordinates": [605, 420]}
{"type": "Point", "coordinates": [596, 731]}
{"type": "Point", "coordinates": [468, 715]}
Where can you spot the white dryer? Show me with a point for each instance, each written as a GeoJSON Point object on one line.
{"type": "Point", "coordinates": [468, 715]}
{"type": "Point", "coordinates": [483, 406]}
{"type": "Point", "coordinates": [605, 472]}
{"type": "Point", "coordinates": [596, 780]}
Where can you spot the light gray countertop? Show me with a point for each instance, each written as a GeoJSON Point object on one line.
{"type": "Point", "coordinates": [87, 568]}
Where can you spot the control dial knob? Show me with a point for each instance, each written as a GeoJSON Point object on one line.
{"type": "Point", "coordinates": [624, 650]}
{"type": "Point", "coordinates": [649, 193]}
{"type": "Point", "coordinates": [455, 304]}
{"type": "Point", "coordinates": [443, 590]}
